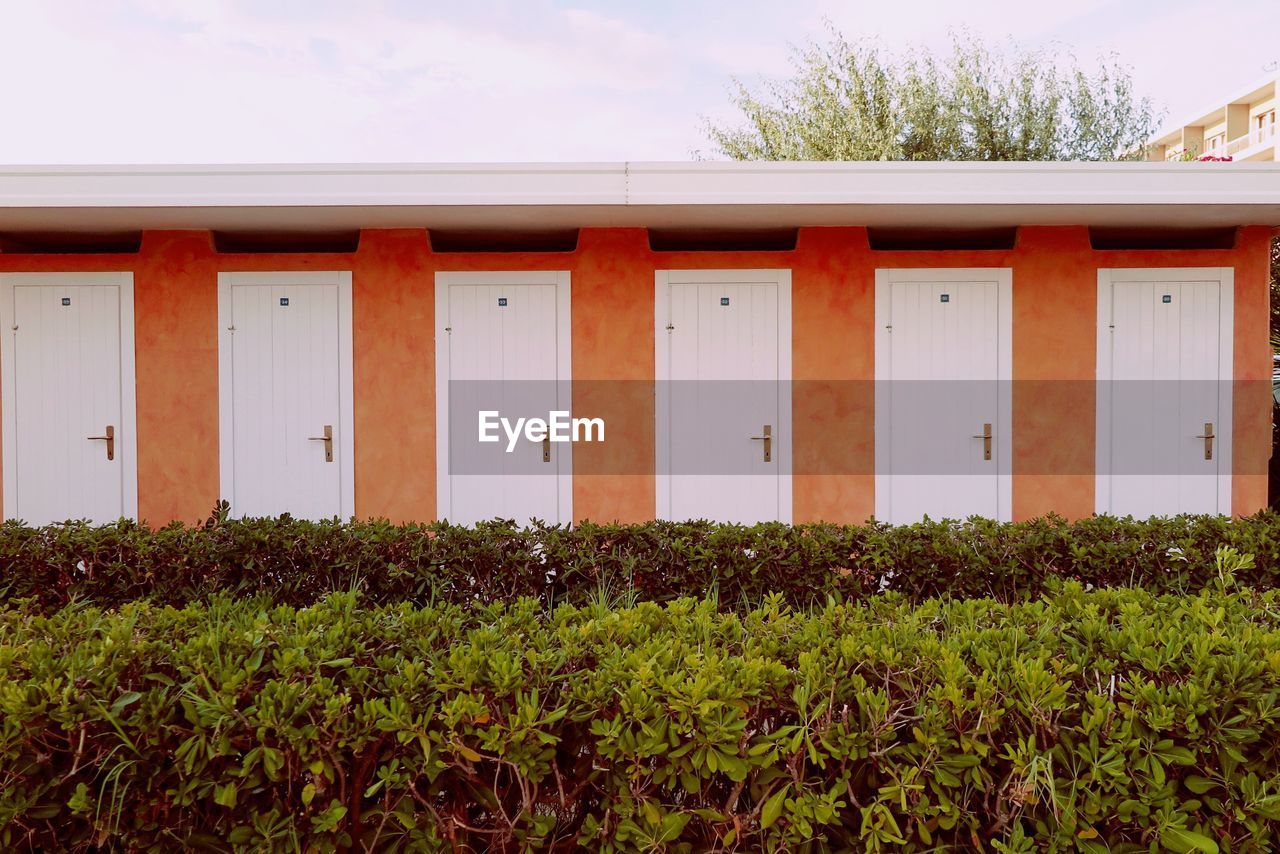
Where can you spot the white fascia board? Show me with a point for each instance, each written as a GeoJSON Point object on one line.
{"type": "Point", "coordinates": [954, 183]}
{"type": "Point", "coordinates": [318, 185]}
{"type": "Point", "coordinates": [624, 185]}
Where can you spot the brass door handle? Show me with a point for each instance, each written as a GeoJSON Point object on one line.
{"type": "Point", "coordinates": [110, 439]}
{"type": "Point", "coordinates": [546, 448]}
{"type": "Point", "coordinates": [985, 436]}
{"type": "Point", "coordinates": [327, 438]}
{"type": "Point", "coordinates": [1208, 437]}
{"type": "Point", "coordinates": [767, 438]}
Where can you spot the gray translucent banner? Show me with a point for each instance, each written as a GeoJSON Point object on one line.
{"type": "Point", "coordinates": [817, 427]}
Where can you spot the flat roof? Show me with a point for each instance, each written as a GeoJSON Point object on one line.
{"type": "Point", "coordinates": [657, 194]}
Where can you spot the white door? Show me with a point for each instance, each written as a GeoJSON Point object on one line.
{"type": "Point", "coordinates": [286, 394]}
{"type": "Point", "coordinates": [723, 397]}
{"type": "Point", "coordinates": [68, 397]}
{"type": "Point", "coordinates": [1164, 407]}
{"type": "Point", "coordinates": [942, 397]}
{"type": "Point", "coordinates": [502, 348]}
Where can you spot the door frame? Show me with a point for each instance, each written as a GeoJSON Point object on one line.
{"type": "Point", "coordinates": [884, 281]}
{"type": "Point", "coordinates": [564, 369]}
{"type": "Point", "coordinates": [1108, 277]}
{"type": "Point", "coordinates": [128, 443]}
{"type": "Point", "coordinates": [663, 282]}
{"type": "Point", "coordinates": [346, 412]}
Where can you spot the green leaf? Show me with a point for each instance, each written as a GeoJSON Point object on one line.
{"type": "Point", "coordinates": [773, 807]}
{"type": "Point", "coordinates": [1181, 840]}
{"type": "Point", "coordinates": [329, 820]}
{"type": "Point", "coordinates": [80, 802]}
{"type": "Point", "coordinates": [225, 795]}
{"type": "Point", "coordinates": [272, 761]}
{"type": "Point", "coordinates": [673, 825]}
{"type": "Point", "coordinates": [125, 699]}
{"type": "Point", "coordinates": [1199, 785]}
{"type": "Point", "coordinates": [736, 768]}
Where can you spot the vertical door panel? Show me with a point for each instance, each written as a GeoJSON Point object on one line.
{"type": "Point", "coordinates": [1163, 389]}
{"type": "Point", "coordinates": [943, 388]}
{"type": "Point", "coordinates": [67, 388]}
{"type": "Point", "coordinates": [285, 391]}
{"type": "Point", "coordinates": [503, 357]}
{"type": "Point", "coordinates": [723, 391]}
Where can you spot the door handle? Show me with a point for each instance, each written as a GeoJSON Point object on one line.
{"type": "Point", "coordinates": [327, 438]}
{"type": "Point", "coordinates": [110, 439]}
{"type": "Point", "coordinates": [546, 448]}
{"type": "Point", "coordinates": [1208, 437]}
{"type": "Point", "coordinates": [767, 438]}
{"type": "Point", "coordinates": [985, 436]}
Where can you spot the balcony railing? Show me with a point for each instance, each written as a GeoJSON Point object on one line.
{"type": "Point", "coordinates": [1257, 136]}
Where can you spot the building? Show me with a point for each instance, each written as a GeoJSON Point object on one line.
{"type": "Point", "coordinates": [793, 341]}
{"type": "Point", "coordinates": [1243, 127]}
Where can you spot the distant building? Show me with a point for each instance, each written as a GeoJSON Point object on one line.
{"type": "Point", "coordinates": [1240, 127]}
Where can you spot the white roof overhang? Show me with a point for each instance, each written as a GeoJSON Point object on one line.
{"type": "Point", "coordinates": [669, 195]}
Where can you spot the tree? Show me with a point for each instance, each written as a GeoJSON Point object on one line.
{"type": "Point", "coordinates": [854, 101]}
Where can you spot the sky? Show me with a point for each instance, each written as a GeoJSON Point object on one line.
{"type": "Point", "coordinates": [308, 81]}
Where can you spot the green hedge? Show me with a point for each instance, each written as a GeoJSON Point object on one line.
{"type": "Point", "coordinates": [297, 563]}
{"type": "Point", "coordinates": [1113, 720]}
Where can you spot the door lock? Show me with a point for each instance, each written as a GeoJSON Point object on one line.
{"type": "Point", "coordinates": [985, 436]}
{"type": "Point", "coordinates": [767, 438]}
{"type": "Point", "coordinates": [327, 438]}
{"type": "Point", "coordinates": [1208, 437]}
{"type": "Point", "coordinates": [109, 438]}
{"type": "Point", "coordinates": [546, 448]}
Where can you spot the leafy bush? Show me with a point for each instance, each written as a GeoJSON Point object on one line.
{"type": "Point", "coordinates": [297, 562]}
{"type": "Point", "coordinates": [1104, 720]}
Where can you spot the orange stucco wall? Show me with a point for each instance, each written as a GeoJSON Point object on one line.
{"type": "Point", "coordinates": [1055, 322]}
{"type": "Point", "coordinates": [1054, 327]}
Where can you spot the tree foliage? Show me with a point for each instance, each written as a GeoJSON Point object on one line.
{"type": "Point", "coordinates": [855, 101]}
